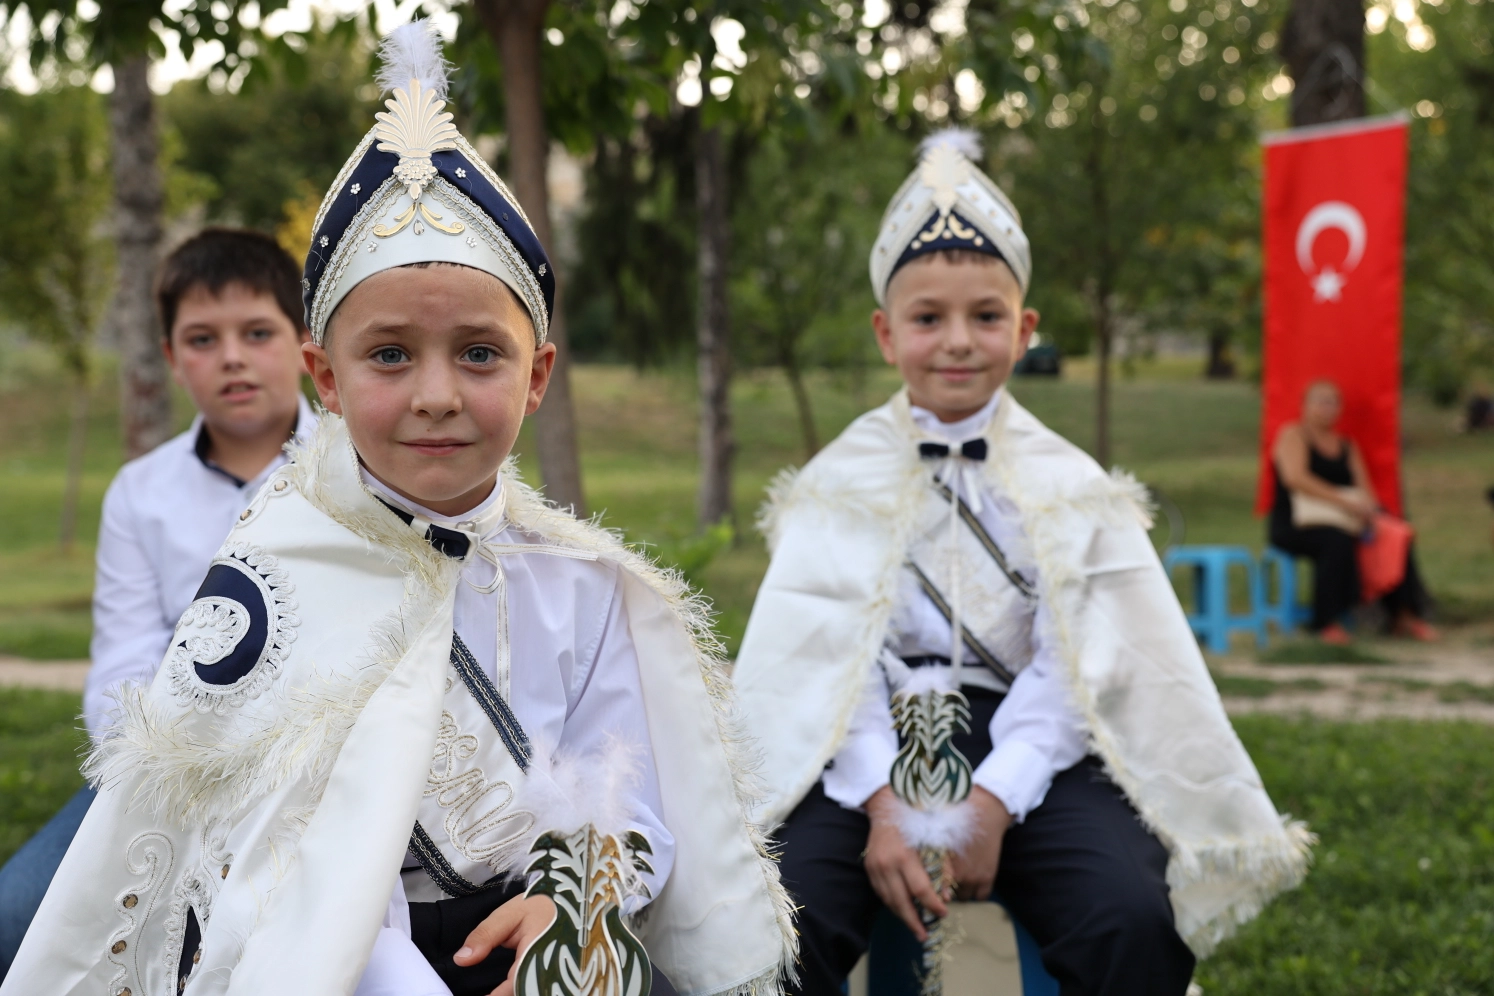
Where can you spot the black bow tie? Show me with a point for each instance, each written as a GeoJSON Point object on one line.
{"type": "Point", "coordinates": [448, 541]}
{"type": "Point", "coordinates": [970, 449]}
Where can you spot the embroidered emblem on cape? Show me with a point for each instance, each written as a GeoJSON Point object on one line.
{"type": "Point", "coordinates": [191, 906]}
{"type": "Point", "coordinates": [151, 855]}
{"type": "Point", "coordinates": [234, 637]}
{"type": "Point", "coordinates": [587, 948]}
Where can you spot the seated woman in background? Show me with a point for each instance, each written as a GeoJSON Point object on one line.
{"type": "Point", "coordinates": [1324, 503]}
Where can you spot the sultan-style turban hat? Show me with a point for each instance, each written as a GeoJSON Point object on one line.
{"type": "Point", "coordinates": [415, 191]}
{"type": "Point", "coordinates": [948, 203]}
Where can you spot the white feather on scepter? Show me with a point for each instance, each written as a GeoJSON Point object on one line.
{"type": "Point", "coordinates": [965, 141]}
{"type": "Point", "coordinates": [413, 51]}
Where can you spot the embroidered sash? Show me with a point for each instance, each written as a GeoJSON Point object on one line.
{"type": "Point", "coordinates": [469, 828]}
{"type": "Point", "coordinates": [999, 600]}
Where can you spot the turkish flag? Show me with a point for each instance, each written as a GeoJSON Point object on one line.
{"type": "Point", "coordinates": [1333, 227]}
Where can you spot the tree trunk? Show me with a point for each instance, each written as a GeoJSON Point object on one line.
{"type": "Point", "coordinates": [1322, 43]}
{"type": "Point", "coordinates": [1221, 365]}
{"type": "Point", "coordinates": [1107, 265]}
{"type": "Point", "coordinates": [713, 330]}
{"type": "Point", "coordinates": [516, 28]}
{"type": "Point", "coordinates": [811, 435]}
{"type": "Point", "coordinates": [77, 440]}
{"type": "Point", "coordinates": [145, 398]}
{"type": "Point", "coordinates": [1102, 379]}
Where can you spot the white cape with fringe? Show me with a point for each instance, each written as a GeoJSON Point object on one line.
{"type": "Point", "coordinates": [272, 815]}
{"type": "Point", "coordinates": [839, 532]}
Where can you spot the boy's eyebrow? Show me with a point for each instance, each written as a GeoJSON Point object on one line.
{"type": "Point", "coordinates": [934, 300]}
{"type": "Point", "coordinates": [466, 329]}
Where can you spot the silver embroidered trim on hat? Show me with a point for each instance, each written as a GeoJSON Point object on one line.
{"type": "Point", "coordinates": [342, 178]}
{"type": "Point", "coordinates": [477, 222]}
{"type": "Point", "coordinates": [946, 181]}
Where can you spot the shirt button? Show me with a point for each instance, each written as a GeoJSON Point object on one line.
{"type": "Point", "coordinates": [244, 515]}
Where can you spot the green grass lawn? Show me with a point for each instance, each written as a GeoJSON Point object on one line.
{"type": "Point", "coordinates": [1193, 440]}
{"type": "Point", "coordinates": [1401, 901]}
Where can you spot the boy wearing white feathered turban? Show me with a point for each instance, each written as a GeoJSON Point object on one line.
{"type": "Point", "coordinates": [420, 733]}
{"type": "Point", "coordinates": [948, 536]}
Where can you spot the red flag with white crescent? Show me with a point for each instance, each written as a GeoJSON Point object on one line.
{"type": "Point", "coordinates": [1333, 226]}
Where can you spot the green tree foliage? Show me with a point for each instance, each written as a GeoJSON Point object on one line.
{"type": "Point", "coordinates": [1449, 86]}
{"type": "Point", "coordinates": [805, 222]}
{"type": "Point", "coordinates": [282, 137]}
{"type": "Point", "coordinates": [56, 258]}
{"type": "Point", "coordinates": [1136, 168]}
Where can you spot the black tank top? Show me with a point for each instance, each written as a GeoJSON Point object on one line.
{"type": "Point", "coordinates": [1334, 470]}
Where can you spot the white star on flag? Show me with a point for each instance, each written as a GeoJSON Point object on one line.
{"type": "Point", "coordinates": [1328, 285]}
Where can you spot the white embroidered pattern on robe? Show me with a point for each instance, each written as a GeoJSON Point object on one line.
{"type": "Point", "coordinates": [232, 640]}
{"type": "Point", "coordinates": [153, 856]}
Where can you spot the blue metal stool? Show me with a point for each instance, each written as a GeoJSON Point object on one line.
{"type": "Point", "coordinates": [894, 956]}
{"type": "Point", "coordinates": [1284, 612]}
{"type": "Point", "coordinates": [1211, 618]}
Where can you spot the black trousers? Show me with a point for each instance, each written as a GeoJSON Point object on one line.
{"type": "Point", "coordinates": [1335, 574]}
{"type": "Point", "coordinates": [1080, 873]}
{"type": "Point", "coordinates": [440, 929]}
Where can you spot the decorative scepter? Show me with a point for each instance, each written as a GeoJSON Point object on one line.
{"type": "Point", "coordinates": [932, 779]}
{"type": "Point", "coordinates": [587, 869]}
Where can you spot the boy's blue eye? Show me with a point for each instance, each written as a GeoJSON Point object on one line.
{"type": "Point", "coordinates": [390, 355]}
{"type": "Point", "coordinates": [481, 354]}
{"type": "Point", "coordinates": [260, 334]}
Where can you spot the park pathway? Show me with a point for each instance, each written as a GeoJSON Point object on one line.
{"type": "Point", "coordinates": [1453, 679]}
{"type": "Point", "coordinates": [61, 676]}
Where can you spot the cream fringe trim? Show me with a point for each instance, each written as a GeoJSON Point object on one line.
{"type": "Point", "coordinates": [1261, 869]}
{"type": "Point", "coordinates": [189, 782]}
{"type": "Point", "coordinates": [528, 511]}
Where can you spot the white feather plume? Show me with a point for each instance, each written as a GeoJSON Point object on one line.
{"type": "Point", "coordinates": [965, 141]}
{"type": "Point", "coordinates": [413, 51]}
{"type": "Point", "coordinates": [566, 791]}
{"type": "Point", "coordinates": [949, 828]}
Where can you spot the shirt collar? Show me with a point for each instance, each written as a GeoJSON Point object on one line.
{"type": "Point", "coordinates": [483, 519]}
{"type": "Point", "coordinates": [965, 428]}
{"type": "Point", "coordinates": [300, 432]}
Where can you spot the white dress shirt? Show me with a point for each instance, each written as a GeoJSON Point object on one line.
{"type": "Point", "coordinates": [573, 685]}
{"type": "Point", "coordinates": [165, 515]}
{"type": "Point", "coordinates": [1035, 732]}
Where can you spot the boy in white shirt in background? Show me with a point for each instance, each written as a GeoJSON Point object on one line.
{"type": "Point", "coordinates": [229, 302]}
{"type": "Point", "coordinates": [1110, 805]}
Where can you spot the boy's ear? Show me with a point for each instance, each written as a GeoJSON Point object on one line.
{"type": "Point", "coordinates": [539, 377]}
{"type": "Point", "coordinates": [168, 351]}
{"type": "Point", "coordinates": [319, 366]}
{"type": "Point", "coordinates": [882, 326]}
{"type": "Point", "coordinates": [1030, 319]}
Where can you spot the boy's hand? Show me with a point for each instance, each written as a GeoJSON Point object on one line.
{"type": "Point", "coordinates": [974, 868]}
{"type": "Point", "coordinates": [895, 869]}
{"type": "Point", "coordinates": [515, 925]}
